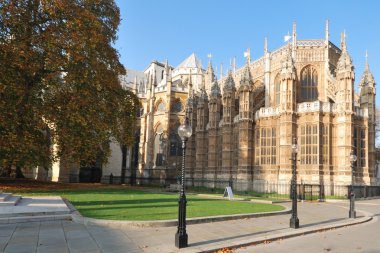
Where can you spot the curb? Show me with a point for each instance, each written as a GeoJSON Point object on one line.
{"type": "Point", "coordinates": [77, 217]}
{"type": "Point", "coordinates": [172, 223]}
{"type": "Point", "coordinates": [286, 235]}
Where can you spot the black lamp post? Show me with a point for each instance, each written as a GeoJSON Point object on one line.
{"type": "Point", "coordinates": [294, 222]}
{"type": "Point", "coordinates": [352, 212]}
{"type": "Point", "coordinates": [184, 131]}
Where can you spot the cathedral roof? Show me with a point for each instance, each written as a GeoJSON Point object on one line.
{"type": "Point", "coordinates": [190, 62]}
{"type": "Point", "coordinates": [127, 81]}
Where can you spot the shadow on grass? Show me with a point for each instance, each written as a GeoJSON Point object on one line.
{"type": "Point", "coordinates": [123, 207]}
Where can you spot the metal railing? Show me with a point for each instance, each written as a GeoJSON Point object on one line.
{"type": "Point", "coordinates": [254, 189]}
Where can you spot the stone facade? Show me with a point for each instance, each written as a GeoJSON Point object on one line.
{"type": "Point", "coordinates": [244, 123]}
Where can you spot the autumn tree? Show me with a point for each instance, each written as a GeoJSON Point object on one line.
{"type": "Point", "coordinates": [124, 128]}
{"type": "Point", "coordinates": [58, 80]}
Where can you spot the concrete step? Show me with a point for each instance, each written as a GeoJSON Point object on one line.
{"type": "Point", "coordinates": [10, 201]}
{"type": "Point", "coordinates": [4, 196]}
{"type": "Point", "coordinates": [35, 218]}
{"type": "Point", "coordinates": [26, 213]}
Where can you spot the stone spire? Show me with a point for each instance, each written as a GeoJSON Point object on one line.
{"type": "Point", "coordinates": [234, 65]}
{"type": "Point", "coordinates": [221, 70]}
{"type": "Point", "coordinates": [367, 78]}
{"type": "Point", "coordinates": [215, 90]}
{"type": "Point", "coordinates": [288, 69]}
{"type": "Point", "coordinates": [246, 78]}
{"type": "Point", "coordinates": [190, 85]}
{"type": "Point", "coordinates": [265, 45]}
{"type": "Point", "coordinates": [366, 61]}
{"type": "Point", "coordinates": [343, 40]}
{"type": "Point", "coordinates": [167, 72]}
{"type": "Point", "coordinates": [247, 54]}
{"type": "Point", "coordinates": [345, 61]}
{"type": "Point", "coordinates": [167, 67]}
{"type": "Point", "coordinates": [327, 31]}
{"type": "Point", "coordinates": [294, 31]}
{"type": "Point", "coordinates": [209, 68]}
{"type": "Point", "coordinates": [190, 98]}
{"type": "Point", "coordinates": [229, 84]}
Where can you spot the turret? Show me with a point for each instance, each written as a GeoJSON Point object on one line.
{"type": "Point", "coordinates": [245, 127]}
{"type": "Point", "coordinates": [346, 77]}
{"type": "Point", "coordinates": [288, 77]}
{"type": "Point", "coordinates": [229, 100]}
{"type": "Point", "coordinates": [367, 91]}
{"type": "Point", "coordinates": [210, 76]}
{"type": "Point", "coordinates": [201, 137]}
{"type": "Point", "coordinates": [245, 94]}
{"type": "Point", "coordinates": [214, 105]}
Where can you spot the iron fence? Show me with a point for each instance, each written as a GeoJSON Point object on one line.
{"type": "Point", "coordinates": [254, 189]}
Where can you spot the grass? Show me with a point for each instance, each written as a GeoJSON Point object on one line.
{"type": "Point", "coordinates": [123, 203]}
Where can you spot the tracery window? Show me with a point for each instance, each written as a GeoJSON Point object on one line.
{"type": "Point", "coordinates": [266, 147]}
{"type": "Point", "coordinates": [325, 144]}
{"type": "Point", "coordinates": [362, 148]}
{"type": "Point", "coordinates": [309, 144]}
{"type": "Point", "coordinates": [161, 107]}
{"type": "Point", "coordinates": [257, 146]}
{"type": "Point", "coordinates": [309, 84]}
{"type": "Point", "coordinates": [158, 152]}
{"type": "Point", "coordinates": [177, 106]}
{"type": "Point", "coordinates": [277, 83]}
{"type": "Point", "coordinates": [175, 144]}
{"type": "Point", "coordinates": [141, 88]}
{"type": "Point", "coordinates": [359, 145]}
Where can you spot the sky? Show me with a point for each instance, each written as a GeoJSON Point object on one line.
{"type": "Point", "coordinates": [174, 29]}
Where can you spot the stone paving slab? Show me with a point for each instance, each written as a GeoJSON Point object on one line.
{"type": "Point", "coordinates": [69, 236]}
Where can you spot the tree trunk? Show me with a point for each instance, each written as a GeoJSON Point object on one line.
{"type": "Point", "coordinates": [13, 173]}
{"type": "Point", "coordinates": [123, 163]}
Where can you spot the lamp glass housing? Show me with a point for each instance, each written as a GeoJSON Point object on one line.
{"type": "Point", "coordinates": [185, 131]}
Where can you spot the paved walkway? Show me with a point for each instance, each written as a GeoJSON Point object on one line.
{"type": "Point", "coordinates": [68, 236]}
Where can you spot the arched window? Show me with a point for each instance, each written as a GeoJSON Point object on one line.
{"type": "Point", "coordinates": [177, 106]}
{"type": "Point", "coordinates": [309, 84]}
{"type": "Point", "coordinates": [141, 88]}
{"type": "Point", "coordinates": [161, 106]}
{"type": "Point", "coordinates": [158, 152]}
{"type": "Point", "coordinates": [175, 143]}
{"type": "Point", "coordinates": [277, 86]}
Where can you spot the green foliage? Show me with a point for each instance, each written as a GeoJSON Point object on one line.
{"type": "Point", "coordinates": [58, 69]}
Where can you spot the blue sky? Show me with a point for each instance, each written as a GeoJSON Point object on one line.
{"type": "Point", "coordinates": [173, 29]}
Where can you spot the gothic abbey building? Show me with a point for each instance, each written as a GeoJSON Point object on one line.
{"type": "Point", "coordinates": [244, 123]}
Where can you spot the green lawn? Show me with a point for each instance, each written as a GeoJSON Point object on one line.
{"type": "Point", "coordinates": [134, 204]}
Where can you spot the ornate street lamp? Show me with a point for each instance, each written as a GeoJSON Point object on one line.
{"type": "Point", "coordinates": [294, 222]}
{"type": "Point", "coordinates": [184, 131]}
{"type": "Point", "coordinates": [352, 212]}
